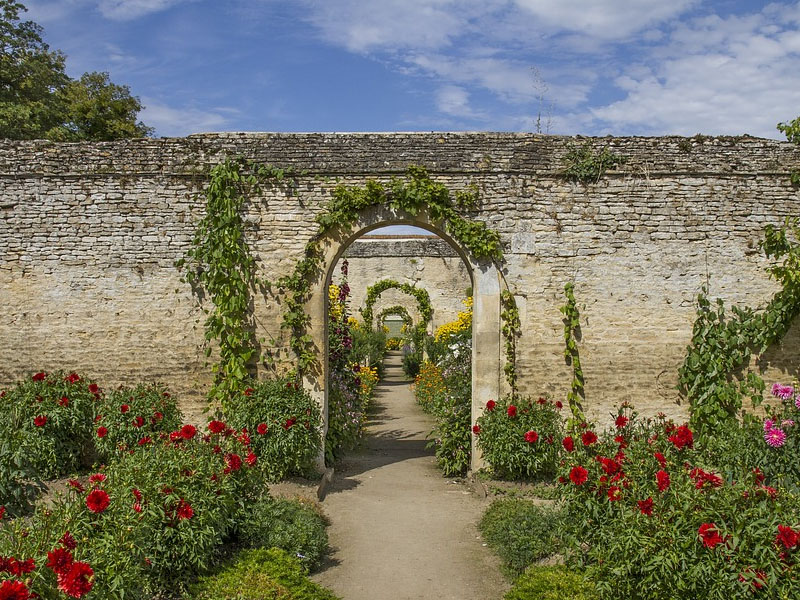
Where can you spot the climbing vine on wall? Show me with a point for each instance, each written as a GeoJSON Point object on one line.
{"type": "Point", "coordinates": [722, 345]}
{"type": "Point", "coordinates": [375, 290]}
{"type": "Point", "coordinates": [572, 328]}
{"type": "Point", "coordinates": [399, 311]}
{"type": "Point", "coordinates": [219, 264]}
{"type": "Point", "coordinates": [512, 330]}
{"type": "Point", "coordinates": [413, 194]}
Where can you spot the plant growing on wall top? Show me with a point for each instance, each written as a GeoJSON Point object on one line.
{"type": "Point", "coordinates": [585, 165]}
{"type": "Point", "coordinates": [220, 264]}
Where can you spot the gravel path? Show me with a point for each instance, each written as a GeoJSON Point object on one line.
{"type": "Point", "coordinates": [400, 531]}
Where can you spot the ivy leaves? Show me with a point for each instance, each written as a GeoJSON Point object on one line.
{"type": "Point", "coordinates": [722, 345]}
{"type": "Point", "coordinates": [572, 326]}
{"type": "Point", "coordinates": [219, 262]}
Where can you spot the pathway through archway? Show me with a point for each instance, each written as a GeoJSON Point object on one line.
{"type": "Point", "coordinates": [400, 530]}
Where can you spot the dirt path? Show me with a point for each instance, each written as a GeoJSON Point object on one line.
{"type": "Point", "coordinates": [400, 531]}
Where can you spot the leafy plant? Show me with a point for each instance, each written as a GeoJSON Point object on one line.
{"type": "Point", "coordinates": [220, 262]}
{"type": "Point", "coordinates": [520, 532]}
{"type": "Point", "coordinates": [127, 417]}
{"type": "Point", "coordinates": [520, 438]}
{"type": "Point", "coordinates": [290, 525]}
{"type": "Point", "coordinates": [572, 332]}
{"type": "Point", "coordinates": [585, 165]}
{"type": "Point", "coordinates": [259, 575]}
{"type": "Point", "coordinates": [512, 330]}
{"type": "Point", "coordinates": [375, 290]}
{"type": "Point", "coordinates": [283, 424]}
{"type": "Point", "coordinates": [551, 583]}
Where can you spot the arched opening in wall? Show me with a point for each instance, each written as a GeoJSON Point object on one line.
{"type": "Point", "coordinates": [460, 367]}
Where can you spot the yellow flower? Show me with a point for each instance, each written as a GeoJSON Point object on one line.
{"type": "Point", "coordinates": [336, 309]}
{"type": "Point", "coordinates": [462, 323]}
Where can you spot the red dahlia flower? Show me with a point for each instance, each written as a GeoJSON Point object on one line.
{"type": "Point", "coordinates": [40, 420]}
{"type": "Point", "coordinates": [78, 581]}
{"type": "Point", "coordinates": [609, 465]}
{"type": "Point", "coordinates": [262, 429]}
{"type": "Point", "coordinates": [188, 431]}
{"type": "Point", "coordinates": [72, 378]}
{"type": "Point", "coordinates": [94, 389]}
{"type": "Point", "coordinates": [12, 589]}
{"type": "Point", "coordinates": [234, 462]}
{"type": "Point", "coordinates": [476, 429]}
{"type": "Point", "coordinates": [289, 422]}
{"type": "Point", "coordinates": [512, 411]}
{"type": "Point", "coordinates": [217, 427]}
{"type": "Point", "coordinates": [97, 478]}
{"type": "Point", "coordinates": [682, 437]}
{"type": "Point", "coordinates": [787, 536]}
{"type": "Point", "coordinates": [588, 438]}
{"type": "Point", "coordinates": [97, 501]}
{"type": "Point", "coordinates": [578, 475]}
{"type": "Point", "coordinates": [124, 408]}
{"type": "Point", "coordinates": [531, 437]}
{"type": "Point", "coordinates": [621, 421]}
{"type": "Point", "coordinates": [251, 459]}
{"type": "Point", "coordinates": [59, 560]}
{"type": "Point", "coordinates": [64, 401]}
{"type": "Point", "coordinates": [145, 440]}
{"type": "Point", "coordinates": [614, 493]}
{"type": "Point", "coordinates": [646, 506]}
{"type": "Point", "coordinates": [662, 479]}
{"type": "Point", "coordinates": [68, 541]}
{"type": "Point", "coordinates": [2, 512]}
{"type": "Point", "coordinates": [490, 405]}
{"type": "Point", "coordinates": [74, 483]}
{"type": "Point", "coordinates": [102, 432]}
{"type": "Point", "coordinates": [559, 404]}
{"type": "Point", "coordinates": [138, 422]}
{"type": "Point", "coordinates": [709, 535]}
{"type": "Point", "coordinates": [39, 376]}
{"type": "Point", "coordinates": [661, 460]}
{"type": "Point", "coordinates": [185, 510]}
{"type": "Point", "coordinates": [249, 391]}
{"type": "Point", "coordinates": [568, 443]}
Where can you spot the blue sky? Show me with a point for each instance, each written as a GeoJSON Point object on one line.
{"type": "Point", "coordinates": [591, 67]}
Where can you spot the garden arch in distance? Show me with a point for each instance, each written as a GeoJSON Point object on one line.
{"type": "Point", "coordinates": [487, 370]}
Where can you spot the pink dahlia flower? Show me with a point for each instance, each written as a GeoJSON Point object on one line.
{"type": "Point", "coordinates": [775, 437]}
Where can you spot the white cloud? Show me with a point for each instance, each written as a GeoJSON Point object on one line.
{"type": "Point", "coordinates": [126, 10]}
{"type": "Point", "coordinates": [719, 76]}
{"type": "Point", "coordinates": [606, 19]}
{"type": "Point", "coordinates": [454, 100]}
{"type": "Point", "coordinates": [170, 121]}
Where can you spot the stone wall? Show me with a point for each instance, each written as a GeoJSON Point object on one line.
{"type": "Point", "coordinates": [89, 234]}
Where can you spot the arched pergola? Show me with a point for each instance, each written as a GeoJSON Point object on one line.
{"type": "Point", "coordinates": [419, 294]}
{"type": "Point", "coordinates": [397, 310]}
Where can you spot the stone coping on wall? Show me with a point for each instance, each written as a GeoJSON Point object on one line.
{"type": "Point", "coordinates": [392, 153]}
{"type": "Point", "coordinates": [402, 247]}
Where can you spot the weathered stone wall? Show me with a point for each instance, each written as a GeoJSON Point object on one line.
{"type": "Point", "coordinates": [89, 234]}
{"type": "Point", "coordinates": [430, 264]}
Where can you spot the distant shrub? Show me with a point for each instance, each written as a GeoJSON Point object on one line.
{"type": "Point", "coordinates": [520, 532]}
{"type": "Point", "coordinates": [286, 524]}
{"type": "Point", "coordinates": [551, 583]}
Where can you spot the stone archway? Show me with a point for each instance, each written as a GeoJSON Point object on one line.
{"type": "Point", "coordinates": [487, 370]}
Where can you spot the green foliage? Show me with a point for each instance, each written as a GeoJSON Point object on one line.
{"type": "Point", "coordinates": [290, 525]}
{"type": "Point", "coordinates": [259, 575]}
{"type": "Point", "coordinates": [713, 376]}
{"type": "Point", "coordinates": [572, 333]}
{"type": "Point", "coordinates": [38, 100]}
{"type": "Point", "coordinates": [369, 348]}
{"type": "Point", "coordinates": [503, 429]}
{"type": "Point", "coordinates": [20, 484]}
{"type": "Point", "coordinates": [584, 165]}
{"type": "Point", "coordinates": [283, 422]}
{"type": "Point", "coordinates": [512, 330]}
{"type": "Point", "coordinates": [520, 532]}
{"type": "Point", "coordinates": [97, 109]}
{"type": "Point", "coordinates": [411, 364]}
{"type": "Point", "coordinates": [415, 193]}
{"type": "Point", "coordinates": [128, 416]}
{"type": "Point", "coordinates": [50, 416]}
{"type": "Point", "coordinates": [551, 583]}
{"type": "Point", "coordinates": [791, 130]}
{"type": "Point", "coordinates": [638, 502]}
{"type": "Point", "coordinates": [375, 290]}
{"type": "Point", "coordinates": [219, 263]}
{"type": "Point", "coordinates": [170, 504]}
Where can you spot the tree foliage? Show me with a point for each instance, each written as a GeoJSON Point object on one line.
{"type": "Point", "coordinates": [39, 100]}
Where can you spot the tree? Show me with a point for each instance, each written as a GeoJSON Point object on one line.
{"type": "Point", "coordinates": [97, 109]}
{"type": "Point", "coordinates": [39, 100]}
